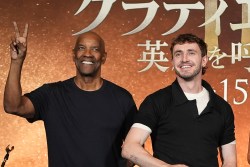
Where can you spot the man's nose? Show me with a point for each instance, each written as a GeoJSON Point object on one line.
{"type": "Point", "coordinates": [87, 53]}
{"type": "Point", "coordinates": [185, 57]}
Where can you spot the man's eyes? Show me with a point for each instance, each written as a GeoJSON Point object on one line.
{"type": "Point", "coordinates": [95, 49]}
{"type": "Point", "coordinates": [191, 53]}
{"type": "Point", "coordinates": [177, 54]}
{"type": "Point", "coordinates": [180, 54]}
{"type": "Point", "coordinates": [81, 48]}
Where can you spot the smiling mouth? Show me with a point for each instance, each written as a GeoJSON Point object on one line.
{"type": "Point", "coordinates": [183, 67]}
{"type": "Point", "coordinates": [87, 62]}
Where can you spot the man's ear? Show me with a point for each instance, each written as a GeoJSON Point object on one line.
{"type": "Point", "coordinates": [104, 57]}
{"type": "Point", "coordinates": [204, 60]}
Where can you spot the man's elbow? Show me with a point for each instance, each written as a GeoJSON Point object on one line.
{"type": "Point", "coordinates": [10, 109]}
{"type": "Point", "coordinates": [125, 151]}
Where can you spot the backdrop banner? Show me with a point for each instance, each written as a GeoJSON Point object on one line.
{"type": "Point", "coordinates": [138, 34]}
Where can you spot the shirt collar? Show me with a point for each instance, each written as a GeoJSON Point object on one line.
{"type": "Point", "coordinates": [180, 98]}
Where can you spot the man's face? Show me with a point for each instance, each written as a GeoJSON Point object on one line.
{"type": "Point", "coordinates": [89, 55]}
{"type": "Point", "coordinates": [188, 61]}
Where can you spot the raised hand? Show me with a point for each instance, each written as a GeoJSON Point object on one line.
{"type": "Point", "coordinates": [18, 46]}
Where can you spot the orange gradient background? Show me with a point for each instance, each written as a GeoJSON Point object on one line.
{"type": "Point", "coordinates": [49, 59]}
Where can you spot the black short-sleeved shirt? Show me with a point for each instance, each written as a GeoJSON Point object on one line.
{"type": "Point", "coordinates": [179, 134]}
{"type": "Point", "coordinates": [84, 129]}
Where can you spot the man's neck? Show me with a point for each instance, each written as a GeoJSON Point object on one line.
{"type": "Point", "coordinates": [192, 86]}
{"type": "Point", "coordinates": [88, 83]}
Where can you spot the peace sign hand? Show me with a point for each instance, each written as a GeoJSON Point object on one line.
{"type": "Point", "coordinates": [18, 46]}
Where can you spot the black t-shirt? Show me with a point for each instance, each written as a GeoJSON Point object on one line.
{"type": "Point", "coordinates": [179, 134]}
{"type": "Point", "coordinates": [84, 128]}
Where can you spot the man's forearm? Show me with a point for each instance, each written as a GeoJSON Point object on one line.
{"type": "Point", "coordinates": [139, 156]}
{"type": "Point", "coordinates": [229, 164]}
{"type": "Point", "coordinates": [13, 90]}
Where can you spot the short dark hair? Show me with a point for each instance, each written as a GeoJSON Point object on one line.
{"type": "Point", "coordinates": [190, 38]}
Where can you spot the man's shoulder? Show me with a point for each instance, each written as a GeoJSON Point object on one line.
{"type": "Point", "coordinates": [118, 92]}
{"type": "Point", "coordinates": [221, 103]}
{"type": "Point", "coordinates": [166, 91]}
{"type": "Point", "coordinates": [162, 96]}
{"type": "Point", "coordinates": [56, 85]}
{"type": "Point", "coordinates": [62, 82]}
{"type": "Point", "coordinates": [115, 87]}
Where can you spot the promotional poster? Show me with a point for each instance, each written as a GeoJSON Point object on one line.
{"type": "Point", "coordinates": [137, 35]}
